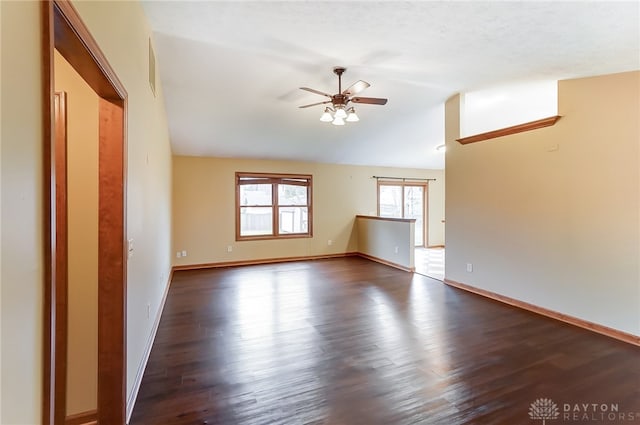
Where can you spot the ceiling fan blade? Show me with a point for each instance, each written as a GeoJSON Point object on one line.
{"type": "Point", "coordinates": [315, 91]}
{"type": "Point", "coordinates": [369, 100]}
{"type": "Point", "coordinates": [356, 88]}
{"type": "Point", "coordinates": [314, 104]}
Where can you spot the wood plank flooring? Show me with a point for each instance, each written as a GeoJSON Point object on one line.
{"type": "Point", "coordinates": [349, 341]}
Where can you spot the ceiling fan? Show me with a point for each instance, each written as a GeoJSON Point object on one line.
{"type": "Point", "coordinates": [340, 101]}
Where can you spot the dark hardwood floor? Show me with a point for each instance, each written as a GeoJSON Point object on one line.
{"type": "Point", "coordinates": [349, 341]}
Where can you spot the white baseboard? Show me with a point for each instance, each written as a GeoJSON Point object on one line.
{"type": "Point", "coordinates": [131, 400]}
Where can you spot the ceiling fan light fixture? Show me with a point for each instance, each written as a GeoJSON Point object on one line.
{"type": "Point", "coordinates": [326, 116]}
{"type": "Point", "coordinates": [352, 117]}
{"type": "Point", "coordinates": [338, 120]}
{"type": "Point", "coordinates": [340, 112]}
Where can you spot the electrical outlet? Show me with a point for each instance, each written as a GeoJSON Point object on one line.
{"type": "Point", "coordinates": [178, 254]}
{"type": "Point", "coordinates": [469, 267]}
{"type": "Point", "coordinates": [329, 242]}
{"type": "Point", "coordinates": [395, 249]}
{"type": "Point", "coordinates": [184, 253]}
{"type": "Point", "coordinates": [229, 248]}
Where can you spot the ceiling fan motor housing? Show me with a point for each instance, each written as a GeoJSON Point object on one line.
{"type": "Point", "coordinates": [339, 100]}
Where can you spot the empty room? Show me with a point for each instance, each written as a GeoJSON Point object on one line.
{"type": "Point", "coordinates": [340, 213]}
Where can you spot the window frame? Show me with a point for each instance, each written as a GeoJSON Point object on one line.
{"type": "Point", "coordinates": [275, 179]}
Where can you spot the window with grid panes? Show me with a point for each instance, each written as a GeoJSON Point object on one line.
{"type": "Point", "coordinates": [270, 206]}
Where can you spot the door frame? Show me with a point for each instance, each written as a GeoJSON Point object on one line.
{"type": "Point", "coordinates": [425, 202]}
{"type": "Point", "coordinates": [62, 29]}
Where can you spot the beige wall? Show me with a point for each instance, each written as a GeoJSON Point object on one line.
{"type": "Point", "coordinates": [551, 216]}
{"type": "Point", "coordinates": [388, 240]}
{"type": "Point", "coordinates": [82, 208]}
{"type": "Point", "coordinates": [148, 192]}
{"type": "Point", "coordinates": [149, 168]}
{"type": "Point", "coordinates": [21, 246]}
{"type": "Point", "coordinates": [204, 207]}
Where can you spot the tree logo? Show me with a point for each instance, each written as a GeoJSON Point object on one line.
{"type": "Point", "coordinates": [544, 408]}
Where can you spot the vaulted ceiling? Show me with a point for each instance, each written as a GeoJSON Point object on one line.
{"type": "Point", "coordinates": [231, 70]}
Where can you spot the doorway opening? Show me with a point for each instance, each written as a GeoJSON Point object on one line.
{"type": "Point", "coordinates": [410, 199]}
{"type": "Point", "coordinates": [64, 31]}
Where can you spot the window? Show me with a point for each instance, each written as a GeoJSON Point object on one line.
{"type": "Point", "coordinates": [272, 206]}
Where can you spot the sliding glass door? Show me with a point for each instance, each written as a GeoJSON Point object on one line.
{"type": "Point", "coordinates": [390, 201]}
{"type": "Point", "coordinates": [414, 207]}
{"type": "Point", "coordinates": [405, 200]}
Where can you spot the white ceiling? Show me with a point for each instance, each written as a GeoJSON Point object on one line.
{"type": "Point", "coordinates": [230, 70]}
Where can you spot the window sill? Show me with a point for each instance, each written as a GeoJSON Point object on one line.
{"type": "Point", "coordinates": [272, 237]}
{"type": "Point", "coordinates": [377, 217]}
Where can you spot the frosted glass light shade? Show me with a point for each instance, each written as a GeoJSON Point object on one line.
{"type": "Point", "coordinates": [338, 120]}
{"type": "Point", "coordinates": [340, 113]}
{"type": "Point", "coordinates": [352, 117]}
{"type": "Point", "coordinates": [326, 116]}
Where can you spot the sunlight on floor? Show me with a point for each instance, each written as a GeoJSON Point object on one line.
{"type": "Point", "coordinates": [430, 262]}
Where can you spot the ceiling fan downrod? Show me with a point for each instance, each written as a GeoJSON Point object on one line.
{"type": "Point", "coordinates": [339, 70]}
